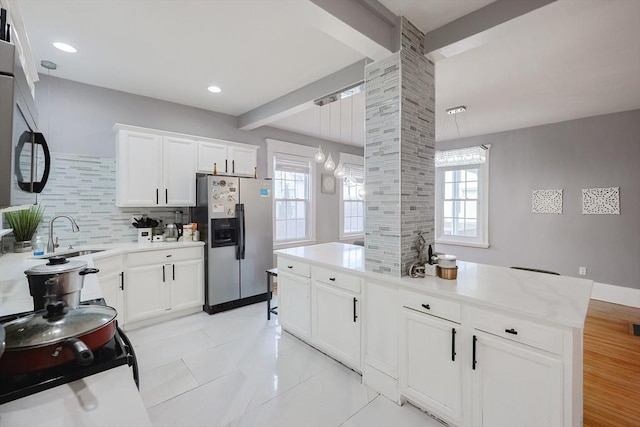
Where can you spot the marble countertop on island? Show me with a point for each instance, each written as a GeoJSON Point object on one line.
{"type": "Point", "coordinates": [559, 300]}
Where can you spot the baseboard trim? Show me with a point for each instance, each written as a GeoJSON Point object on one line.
{"type": "Point", "coordinates": [616, 294]}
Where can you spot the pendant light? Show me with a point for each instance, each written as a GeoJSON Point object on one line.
{"type": "Point", "coordinates": [319, 156]}
{"type": "Point", "coordinates": [330, 165]}
{"type": "Point", "coordinates": [339, 172]}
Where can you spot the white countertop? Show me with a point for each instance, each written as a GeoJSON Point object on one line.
{"type": "Point", "coordinates": [109, 398]}
{"type": "Point", "coordinates": [555, 299]}
{"type": "Point", "coordinates": [14, 287]}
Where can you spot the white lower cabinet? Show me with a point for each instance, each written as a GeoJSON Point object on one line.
{"type": "Point", "coordinates": [294, 303]}
{"type": "Point", "coordinates": [336, 323]}
{"type": "Point", "coordinates": [431, 366]}
{"type": "Point", "coordinates": [467, 366]}
{"type": "Point", "coordinates": [515, 385]}
{"type": "Point", "coordinates": [111, 279]}
{"type": "Point", "coordinates": [163, 282]}
{"type": "Point", "coordinates": [146, 292]}
{"type": "Point", "coordinates": [186, 285]}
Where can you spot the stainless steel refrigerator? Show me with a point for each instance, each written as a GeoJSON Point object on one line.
{"type": "Point", "coordinates": [234, 216]}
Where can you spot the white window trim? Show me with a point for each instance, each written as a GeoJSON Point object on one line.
{"type": "Point", "coordinates": [355, 160]}
{"type": "Point", "coordinates": [275, 146]}
{"type": "Point", "coordinates": [481, 241]}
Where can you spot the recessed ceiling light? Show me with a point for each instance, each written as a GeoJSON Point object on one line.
{"type": "Point", "coordinates": [214, 89]}
{"type": "Point", "coordinates": [65, 47]}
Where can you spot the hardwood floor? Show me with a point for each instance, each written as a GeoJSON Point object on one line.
{"type": "Point", "coordinates": [611, 366]}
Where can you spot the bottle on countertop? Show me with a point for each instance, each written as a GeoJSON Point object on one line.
{"type": "Point", "coordinates": [38, 246]}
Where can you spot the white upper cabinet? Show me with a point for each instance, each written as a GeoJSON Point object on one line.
{"type": "Point", "coordinates": [179, 181]}
{"type": "Point", "coordinates": [154, 170]}
{"type": "Point", "coordinates": [138, 168]}
{"type": "Point", "coordinates": [209, 154]}
{"type": "Point", "coordinates": [229, 158]}
{"type": "Point", "coordinates": [243, 160]}
{"type": "Point", "coordinates": [157, 168]}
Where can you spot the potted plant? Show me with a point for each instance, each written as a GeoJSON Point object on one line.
{"type": "Point", "coordinates": [24, 224]}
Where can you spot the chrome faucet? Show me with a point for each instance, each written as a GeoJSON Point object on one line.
{"type": "Point", "coordinates": [51, 246]}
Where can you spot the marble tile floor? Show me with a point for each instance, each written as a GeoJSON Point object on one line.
{"type": "Point", "coordinates": [238, 369]}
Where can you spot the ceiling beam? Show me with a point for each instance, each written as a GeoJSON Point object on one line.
{"type": "Point", "coordinates": [301, 99]}
{"type": "Point", "coordinates": [457, 36]}
{"type": "Point", "coordinates": [364, 25]}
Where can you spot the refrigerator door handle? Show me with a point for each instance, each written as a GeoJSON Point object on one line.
{"type": "Point", "coordinates": [239, 217]}
{"type": "Point", "coordinates": [244, 234]}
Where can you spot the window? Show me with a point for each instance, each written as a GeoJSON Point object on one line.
{"type": "Point", "coordinates": [293, 169]}
{"type": "Point", "coordinates": [291, 184]}
{"type": "Point", "coordinates": [352, 197]}
{"type": "Point", "coordinates": [462, 196]}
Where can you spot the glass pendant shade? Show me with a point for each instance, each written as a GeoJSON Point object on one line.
{"type": "Point", "coordinates": [319, 157]}
{"type": "Point", "coordinates": [339, 172]}
{"type": "Point", "coordinates": [329, 164]}
{"type": "Point", "coordinates": [350, 179]}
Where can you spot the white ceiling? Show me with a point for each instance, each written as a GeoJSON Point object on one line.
{"type": "Point", "coordinates": [569, 59]}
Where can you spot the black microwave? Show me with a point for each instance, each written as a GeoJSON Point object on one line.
{"type": "Point", "coordinates": [24, 155]}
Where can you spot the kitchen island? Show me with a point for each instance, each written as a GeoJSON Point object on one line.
{"type": "Point", "coordinates": [496, 346]}
{"type": "Point", "coordinates": [106, 398]}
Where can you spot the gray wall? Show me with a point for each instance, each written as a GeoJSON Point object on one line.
{"type": "Point", "coordinates": [601, 151]}
{"type": "Point", "coordinates": [78, 118]}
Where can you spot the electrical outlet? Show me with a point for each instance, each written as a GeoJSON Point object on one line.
{"type": "Point", "coordinates": [582, 271]}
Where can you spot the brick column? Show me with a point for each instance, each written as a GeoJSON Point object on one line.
{"type": "Point", "coordinates": [399, 152]}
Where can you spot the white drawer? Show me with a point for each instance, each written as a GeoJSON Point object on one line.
{"type": "Point", "coordinates": [523, 331]}
{"type": "Point", "coordinates": [294, 266]}
{"type": "Point", "coordinates": [337, 278]}
{"type": "Point", "coordinates": [163, 256]}
{"type": "Point", "coordinates": [109, 265]}
{"type": "Point", "coordinates": [430, 305]}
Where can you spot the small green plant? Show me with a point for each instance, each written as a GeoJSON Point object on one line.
{"type": "Point", "coordinates": [25, 222]}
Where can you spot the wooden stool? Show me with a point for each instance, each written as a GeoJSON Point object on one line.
{"type": "Point", "coordinates": [270, 275]}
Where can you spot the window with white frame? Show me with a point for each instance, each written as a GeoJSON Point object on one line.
{"type": "Point", "coordinates": [291, 185]}
{"type": "Point", "coordinates": [352, 197]}
{"type": "Point", "coordinates": [292, 170]}
{"type": "Point", "coordinates": [462, 196]}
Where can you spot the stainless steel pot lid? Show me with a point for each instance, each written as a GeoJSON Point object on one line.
{"type": "Point", "coordinates": [55, 324]}
{"type": "Point", "coordinates": [56, 265]}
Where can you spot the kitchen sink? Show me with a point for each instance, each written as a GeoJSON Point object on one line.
{"type": "Point", "coordinates": [75, 253]}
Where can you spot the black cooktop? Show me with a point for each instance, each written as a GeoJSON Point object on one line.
{"type": "Point", "coordinates": [117, 352]}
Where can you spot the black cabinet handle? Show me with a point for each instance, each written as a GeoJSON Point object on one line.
{"type": "Point", "coordinates": [289, 266]}
{"type": "Point", "coordinates": [333, 279]}
{"type": "Point", "coordinates": [453, 344]}
{"type": "Point", "coordinates": [166, 195]}
{"type": "Point", "coordinates": [427, 306]}
{"type": "Point", "coordinates": [226, 167]}
{"type": "Point", "coordinates": [122, 280]}
{"type": "Point", "coordinates": [173, 266]}
{"type": "Point", "coordinates": [163, 278]}
{"type": "Point", "coordinates": [233, 166]}
{"type": "Point", "coordinates": [511, 331]}
{"type": "Point", "coordinates": [169, 256]}
{"type": "Point", "coordinates": [355, 316]}
{"type": "Point", "coordinates": [157, 200]}
{"type": "Point", "coordinates": [473, 363]}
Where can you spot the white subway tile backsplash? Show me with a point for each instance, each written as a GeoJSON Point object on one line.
{"type": "Point", "coordinates": [84, 187]}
